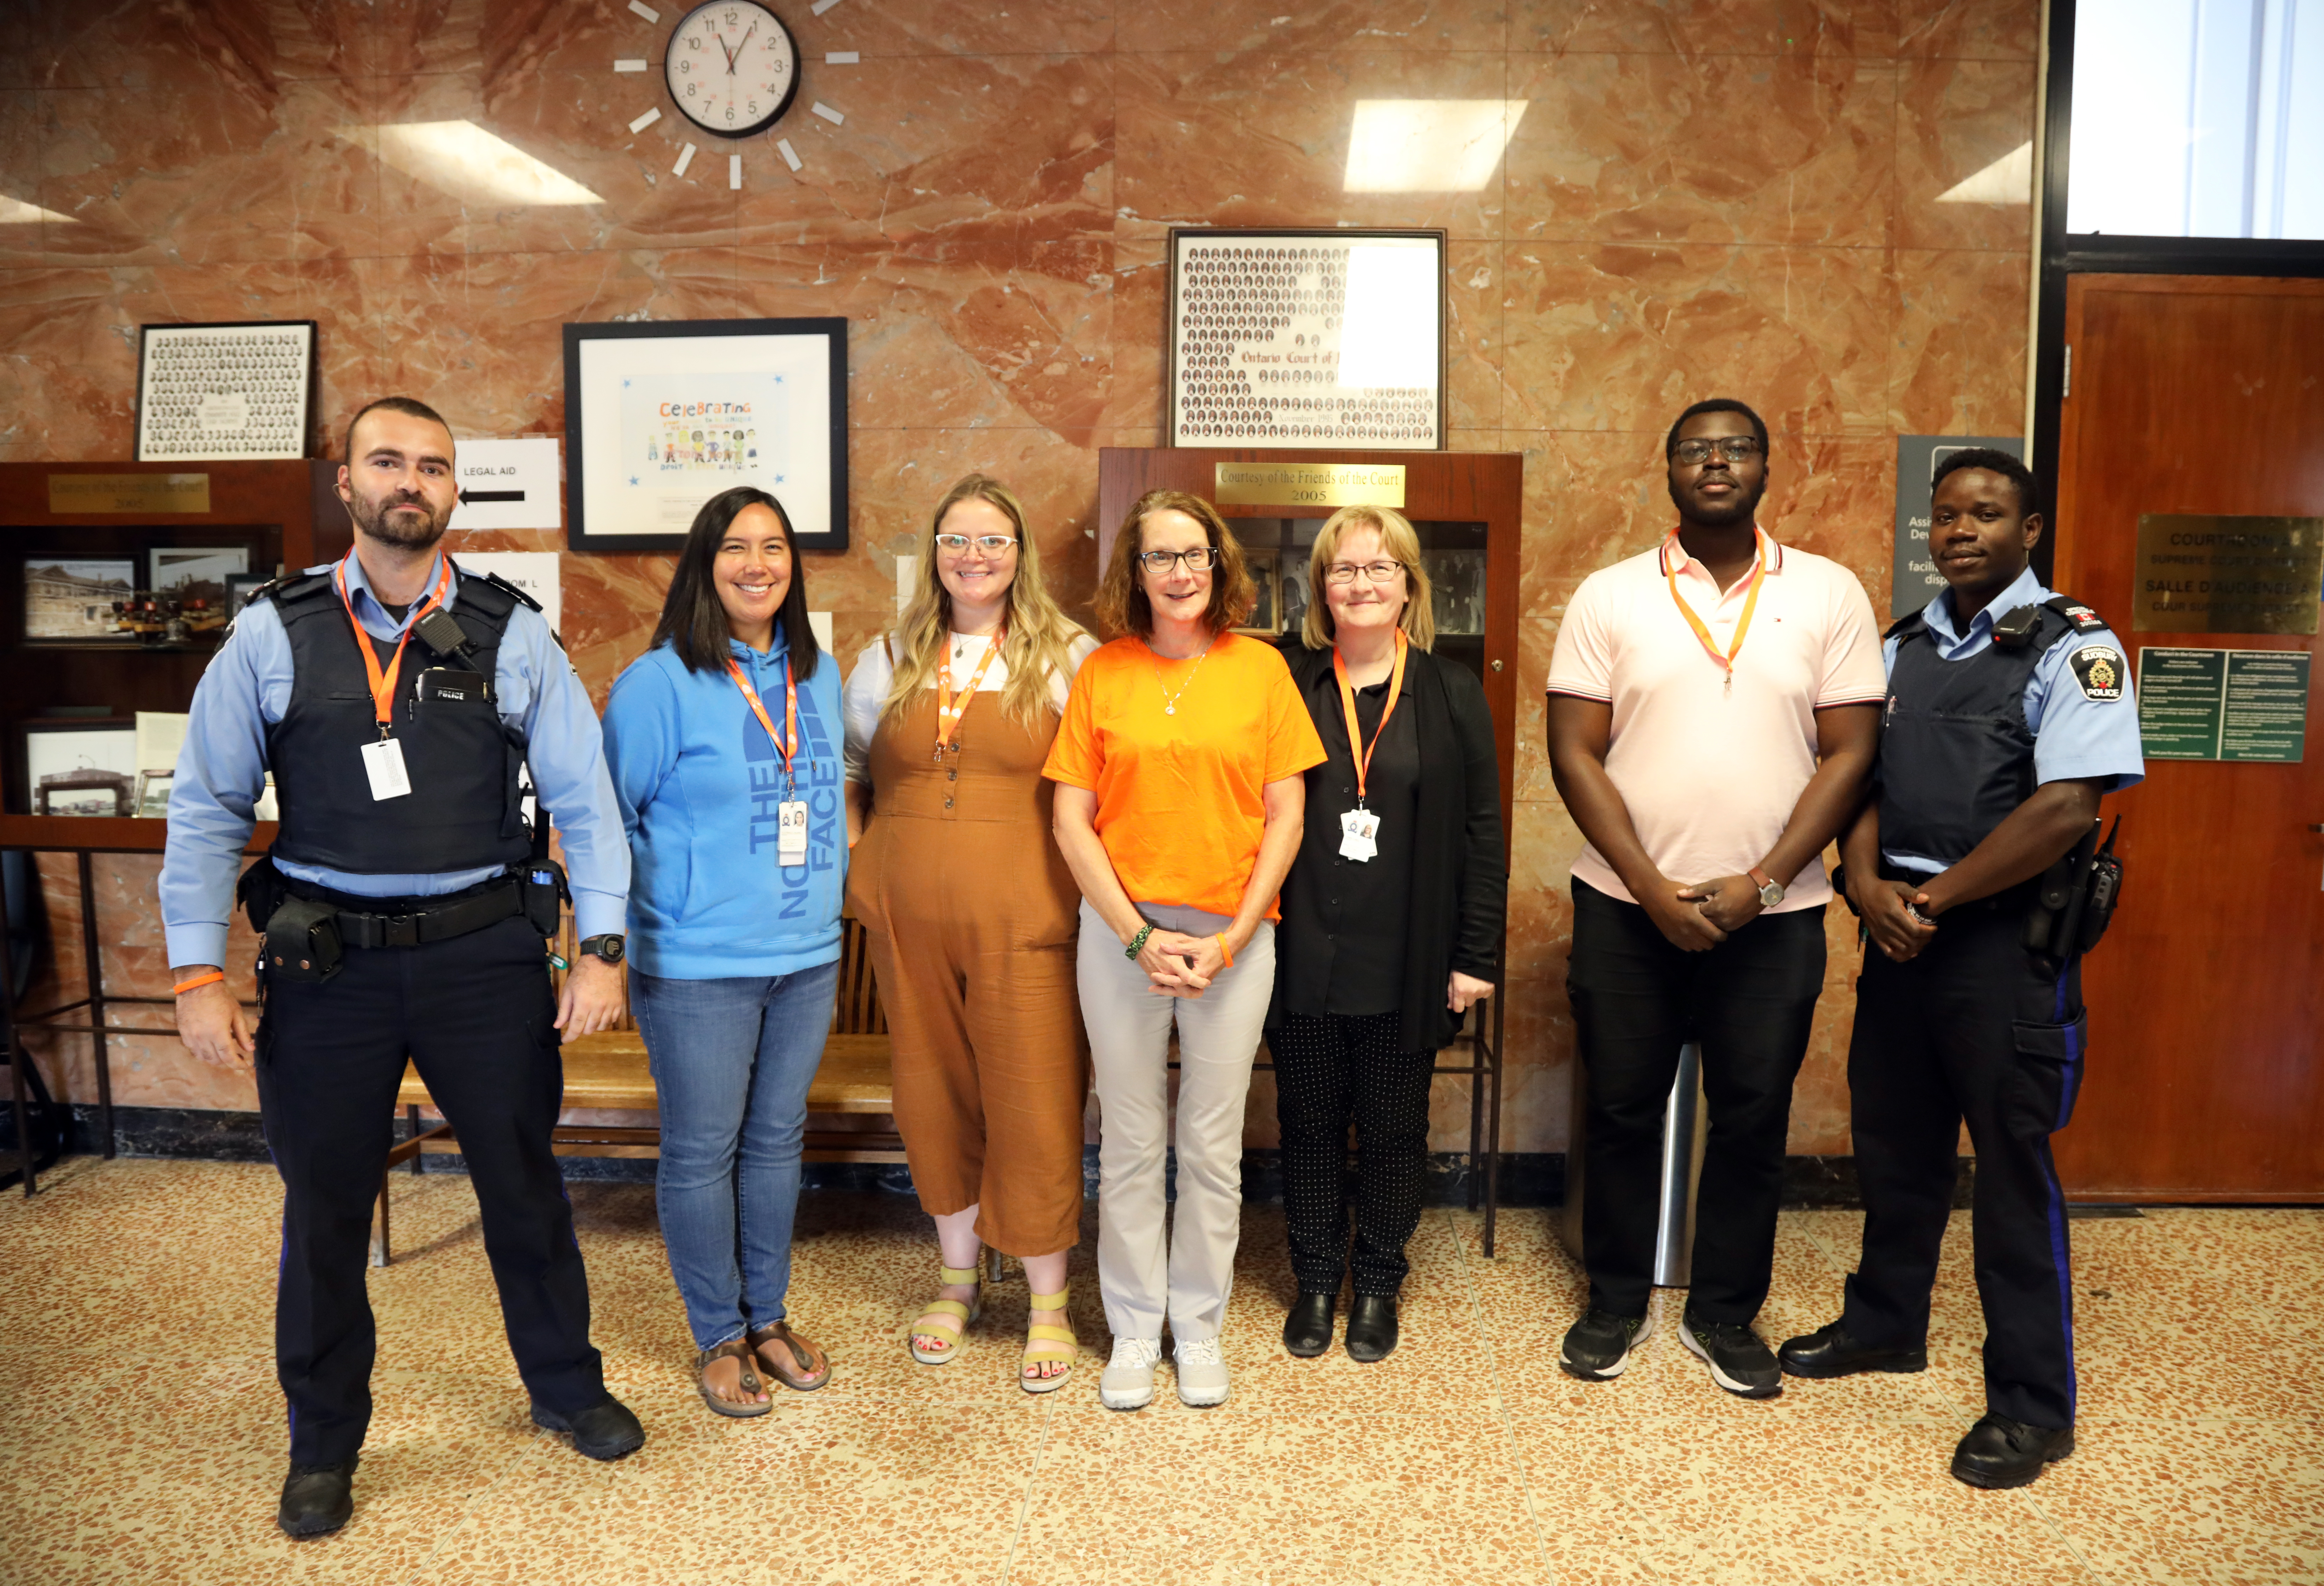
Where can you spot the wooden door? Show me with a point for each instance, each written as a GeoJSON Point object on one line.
{"type": "Point", "coordinates": [2200, 395]}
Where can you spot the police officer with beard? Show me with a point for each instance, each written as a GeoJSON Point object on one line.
{"type": "Point", "coordinates": [2009, 713]}
{"type": "Point", "coordinates": [404, 906]}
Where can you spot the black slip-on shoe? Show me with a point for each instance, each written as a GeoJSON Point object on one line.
{"type": "Point", "coordinates": [1597, 1349]}
{"type": "Point", "coordinates": [1831, 1351]}
{"type": "Point", "coordinates": [317, 1500]}
{"type": "Point", "coordinates": [1371, 1327]}
{"type": "Point", "coordinates": [1738, 1361]}
{"type": "Point", "coordinates": [2001, 1452]}
{"type": "Point", "coordinates": [1307, 1331]}
{"type": "Point", "coordinates": [606, 1430]}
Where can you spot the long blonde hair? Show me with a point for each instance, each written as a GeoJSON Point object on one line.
{"type": "Point", "coordinates": [1418, 619]}
{"type": "Point", "coordinates": [1040, 644]}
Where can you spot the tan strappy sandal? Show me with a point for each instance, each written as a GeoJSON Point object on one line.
{"type": "Point", "coordinates": [1049, 1341]}
{"type": "Point", "coordinates": [808, 1367]}
{"type": "Point", "coordinates": [732, 1349]}
{"type": "Point", "coordinates": [947, 1316]}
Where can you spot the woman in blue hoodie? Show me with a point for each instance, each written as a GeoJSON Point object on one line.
{"type": "Point", "coordinates": [725, 743]}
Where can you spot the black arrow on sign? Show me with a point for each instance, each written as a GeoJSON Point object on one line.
{"type": "Point", "coordinates": [468, 495]}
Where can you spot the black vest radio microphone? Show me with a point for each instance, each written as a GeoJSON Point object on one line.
{"type": "Point", "coordinates": [463, 812]}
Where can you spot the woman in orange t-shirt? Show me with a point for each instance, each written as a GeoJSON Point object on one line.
{"type": "Point", "coordinates": [1178, 806]}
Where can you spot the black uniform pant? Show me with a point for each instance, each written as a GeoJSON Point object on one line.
{"type": "Point", "coordinates": [1972, 1029]}
{"type": "Point", "coordinates": [1750, 1002]}
{"type": "Point", "coordinates": [1326, 1070]}
{"type": "Point", "coordinates": [475, 1015]}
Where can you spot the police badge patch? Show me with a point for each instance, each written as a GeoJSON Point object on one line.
{"type": "Point", "coordinates": [2098, 668]}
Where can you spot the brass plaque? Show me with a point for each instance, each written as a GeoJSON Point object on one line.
{"type": "Point", "coordinates": [129, 493]}
{"type": "Point", "coordinates": [1309, 484]}
{"type": "Point", "coordinates": [2200, 573]}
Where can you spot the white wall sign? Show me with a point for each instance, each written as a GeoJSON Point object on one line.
{"type": "Point", "coordinates": [533, 571]}
{"type": "Point", "coordinates": [508, 485]}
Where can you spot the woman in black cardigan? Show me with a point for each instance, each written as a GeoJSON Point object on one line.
{"type": "Point", "coordinates": [1392, 916]}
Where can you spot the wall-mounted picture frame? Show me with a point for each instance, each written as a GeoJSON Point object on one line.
{"type": "Point", "coordinates": [78, 765]}
{"type": "Point", "coordinates": [225, 391]}
{"type": "Point", "coordinates": [1263, 564]}
{"type": "Point", "coordinates": [661, 415]}
{"type": "Point", "coordinates": [1328, 338]}
{"type": "Point", "coordinates": [74, 600]}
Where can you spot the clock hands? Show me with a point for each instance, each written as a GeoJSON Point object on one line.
{"type": "Point", "coordinates": [740, 45]}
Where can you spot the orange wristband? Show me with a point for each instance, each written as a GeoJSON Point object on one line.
{"type": "Point", "coordinates": [183, 987]}
{"type": "Point", "coordinates": [1226, 952]}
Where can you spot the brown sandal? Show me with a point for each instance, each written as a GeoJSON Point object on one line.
{"type": "Point", "coordinates": [735, 1349]}
{"type": "Point", "coordinates": [809, 1367]}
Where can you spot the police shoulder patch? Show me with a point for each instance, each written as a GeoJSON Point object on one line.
{"type": "Point", "coordinates": [2098, 668]}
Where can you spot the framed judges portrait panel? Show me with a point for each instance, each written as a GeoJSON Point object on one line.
{"type": "Point", "coordinates": [1308, 339]}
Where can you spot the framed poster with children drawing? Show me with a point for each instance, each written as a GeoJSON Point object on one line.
{"type": "Point", "coordinates": [661, 415]}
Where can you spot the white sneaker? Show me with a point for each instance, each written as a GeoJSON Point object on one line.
{"type": "Point", "coordinates": [1201, 1372]}
{"type": "Point", "coordinates": [1127, 1382]}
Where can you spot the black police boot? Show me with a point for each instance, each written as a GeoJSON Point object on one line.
{"type": "Point", "coordinates": [605, 1430]}
{"type": "Point", "coordinates": [1833, 1351]}
{"type": "Point", "coordinates": [1371, 1327]}
{"type": "Point", "coordinates": [2001, 1452]}
{"type": "Point", "coordinates": [317, 1500]}
{"type": "Point", "coordinates": [1307, 1331]}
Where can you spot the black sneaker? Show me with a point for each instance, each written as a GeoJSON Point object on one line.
{"type": "Point", "coordinates": [1738, 1361]}
{"type": "Point", "coordinates": [1598, 1348]}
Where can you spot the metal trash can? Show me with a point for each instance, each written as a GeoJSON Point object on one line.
{"type": "Point", "coordinates": [1685, 1126]}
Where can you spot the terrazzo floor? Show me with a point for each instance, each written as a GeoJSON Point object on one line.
{"type": "Point", "coordinates": [141, 1430]}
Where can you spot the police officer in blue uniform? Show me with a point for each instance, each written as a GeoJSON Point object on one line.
{"type": "Point", "coordinates": [2009, 713]}
{"type": "Point", "coordinates": [404, 908]}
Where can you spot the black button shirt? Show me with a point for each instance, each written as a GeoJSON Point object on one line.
{"type": "Point", "coordinates": [1342, 940]}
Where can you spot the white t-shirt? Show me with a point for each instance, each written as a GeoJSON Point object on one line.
{"type": "Point", "coordinates": [875, 674]}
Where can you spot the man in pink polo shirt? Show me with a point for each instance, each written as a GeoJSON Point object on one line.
{"type": "Point", "coordinates": [1714, 708]}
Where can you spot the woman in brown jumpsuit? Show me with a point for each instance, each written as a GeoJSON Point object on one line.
{"type": "Point", "coordinates": [970, 913]}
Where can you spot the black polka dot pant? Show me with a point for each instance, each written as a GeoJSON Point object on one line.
{"type": "Point", "coordinates": [1328, 1070]}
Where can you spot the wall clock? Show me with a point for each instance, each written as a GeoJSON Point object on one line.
{"type": "Point", "coordinates": [732, 69]}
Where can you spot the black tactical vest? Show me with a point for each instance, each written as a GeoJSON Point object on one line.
{"type": "Point", "coordinates": [1956, 755]}
{"type": "Point", "coordinates": [463, 811]}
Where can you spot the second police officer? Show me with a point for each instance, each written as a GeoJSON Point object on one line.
{"type": "Point", "coordinates": [2009, 713]}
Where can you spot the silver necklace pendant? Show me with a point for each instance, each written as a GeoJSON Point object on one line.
{"type": "Point", "coordinates": [1169, 710]}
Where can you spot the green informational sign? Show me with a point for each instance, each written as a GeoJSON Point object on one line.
{"type": "Point", "coordinates": [2249, 704]}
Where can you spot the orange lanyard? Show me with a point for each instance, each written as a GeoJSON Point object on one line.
{"type": "Point", "coordinates": [791, 710]}
{"type": "Point", "coordinates": [1750, 603]}
{"type": "Point", "coordinates": [1363, 755]}
{"type": "Point", "coordinates": [948, 715]}
{"type": "Point", "coordinates": [383, 678]}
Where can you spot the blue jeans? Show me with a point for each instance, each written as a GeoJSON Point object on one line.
{"type": "Point", "coordinates": [732, 1063]}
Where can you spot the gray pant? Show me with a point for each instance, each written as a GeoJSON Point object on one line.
{"type": "Point", "coordinates": [1141, 1274]}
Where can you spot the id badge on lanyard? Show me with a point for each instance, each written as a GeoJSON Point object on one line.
{"type": "Point", "coordinates": [790, 815]}
{"type": "Point", "coordinates": [383, 766]}
{"type": "Point", "coordinates": [1360, 826]}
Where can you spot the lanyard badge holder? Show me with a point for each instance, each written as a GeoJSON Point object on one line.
{"type": "Point", "coordinates": [948, 715]}
{"type": "Point", "coordinates": [1359, 827]}
{"type": "Point", "coordinates": [790, 815]}
{"type": "Point", "coordinates": [1750, 603]}
{"type": "Point", "coordinates": [384, 760]}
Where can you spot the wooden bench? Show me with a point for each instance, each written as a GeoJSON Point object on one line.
{"type": "Point", "coordinates": [608, 1073]}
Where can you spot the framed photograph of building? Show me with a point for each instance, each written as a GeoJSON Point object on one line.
{"type": "Point", "coordinates": [220, 392]}
{"type": "Point", "coordinates": [1306, 338]}
{"type": "Point", "coordinates": [72, 600]}
{"type": "Point", "coordinates": [659, 417]}
{"type": "Point", "coordinates": [85, 765]}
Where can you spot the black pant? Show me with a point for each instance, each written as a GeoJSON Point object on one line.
{"type": "Point", "coordinates": [476, 1014]}
{"type": "Point", "coordinates": [1973, 1029]}
{"type": "Point", "coordinates": [1324, 1069]}
{"type": "Point", "coordinates": [1750, 1002]}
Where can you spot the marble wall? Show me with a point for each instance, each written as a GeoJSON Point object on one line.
{"type": "Point", "coordinates": [1701, 197]}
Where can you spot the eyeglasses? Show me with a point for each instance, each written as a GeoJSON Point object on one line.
{"type": "Point", "coordinates": [1200, 559]}
{"type": "Point", "coordinates": [1735, 448]}
{"type": "Point", "coordinates": [992, 545]}
{"type": "Point", "coordinates": [1345, 572]}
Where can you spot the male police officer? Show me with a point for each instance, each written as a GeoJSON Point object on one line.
{"type": "Point", "coordinates": [395, 699]}
{"type": "Point", "coordinates": [2009, 713]}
